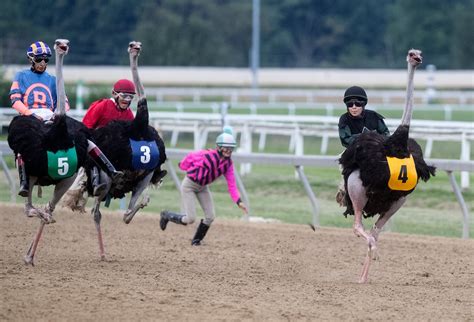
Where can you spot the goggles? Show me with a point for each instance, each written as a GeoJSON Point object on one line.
{"type": "Point", "coordinates": [228, 148]}
{"type": "Point", "coordinates": [355, 102]}
{"type": "Point", "coordinates": [125, 96]}
{"type": "Point", "coordinates": [39, 59]}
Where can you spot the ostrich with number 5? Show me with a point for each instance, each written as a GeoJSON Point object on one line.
{"type": "Point", "coordinates": [380, 172]}
{"type": "Point", "coordinates": [135, 148]}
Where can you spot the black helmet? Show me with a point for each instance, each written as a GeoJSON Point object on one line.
{"type": "Point", "coordinates": [355, 92]}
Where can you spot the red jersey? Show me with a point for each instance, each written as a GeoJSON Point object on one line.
{"type": "Point", "coordinates": [104, 111]}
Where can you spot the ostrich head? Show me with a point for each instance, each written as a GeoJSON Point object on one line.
{"type": "Point", "coordinates": [134, 49]}
{"type": "Point", "coordinates": [414, 57]}
{"type": "Point", "coordinates": [61, 47]}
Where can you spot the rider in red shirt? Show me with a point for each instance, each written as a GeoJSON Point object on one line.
{"type": "Point", "coordinates": [106, 110]}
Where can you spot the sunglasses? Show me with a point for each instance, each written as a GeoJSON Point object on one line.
{"type": "Point", "coordinates": [355, 102]}
{"type": "Point", "coordinates": [126, 96]}
{"type": "Point", "coordinates": [228, 148]}
{"type": "Point", "coordinates": [40, 59]}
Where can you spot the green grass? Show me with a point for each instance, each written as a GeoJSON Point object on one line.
{"type": "Point", "coordinates": [318, 110]}
{"type": "Point", "coordinates": [275, 193]}
{"type": "Point", "coordinates": [431, 209]}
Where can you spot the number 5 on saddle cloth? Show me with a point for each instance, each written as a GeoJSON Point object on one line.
{"type": "Point", "coordinates": [62, 164]}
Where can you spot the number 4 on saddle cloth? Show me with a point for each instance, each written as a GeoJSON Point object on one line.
{"type": "Point", "coordinates": [145, 155]}
{"type": "Point", "coordinates": [403, 175]}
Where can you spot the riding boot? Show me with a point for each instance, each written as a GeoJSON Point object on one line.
{"type": "Point", "coordinates": [161, 175]}
{"type": "Point", "coordinates": [97, 186]}
{"type": "Point", "coordinates": [166, 216]}
{"type": "Point", "coordinates": [200, 233]}
{"type": "Point", "coordinates": [102, 162]}
{"type": "Point", "coordinates": [24, 186]}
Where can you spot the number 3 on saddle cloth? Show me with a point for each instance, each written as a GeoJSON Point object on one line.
{"type": "Point", "coordinates": [62, 164]}
{"type": "Point", "coordinates": [403, 175]}
{"type": "Point", "coordinates": [145, 155]}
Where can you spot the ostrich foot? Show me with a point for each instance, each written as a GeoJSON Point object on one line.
{"type": "Point", "coordinates": [372, 254]}
{"type": "Point", "coordinates": [359, 230]}
{"type": "Point", "coordinates": [374, 232]}
{"type": "Point", "coordinates": [29, 260]}
{"type": "Point", "coordinates": [128, 216]}
{"type": "Point", "coordinates": [47, 214]}
{"type": "Point", "coordinates": [44, 215]}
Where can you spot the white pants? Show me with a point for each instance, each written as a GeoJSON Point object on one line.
{"type": "Point", "coordinates": [190, 190]}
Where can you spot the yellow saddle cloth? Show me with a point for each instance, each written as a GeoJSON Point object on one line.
{"type": "Point", "coordinates": [403, 176]}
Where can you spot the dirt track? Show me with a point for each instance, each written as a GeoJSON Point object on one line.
{"type": "Point", "coordinates": [244, 271]}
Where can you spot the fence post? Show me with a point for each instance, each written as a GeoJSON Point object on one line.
{"type": "Point", "coordinates": [310, 193]}
{"type": "Point", "coordinates": [465, 153]}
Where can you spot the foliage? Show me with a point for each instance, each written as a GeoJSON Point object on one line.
{"type": "Point", "coordinates": [293, 33]}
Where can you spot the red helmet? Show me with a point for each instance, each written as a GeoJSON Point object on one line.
{"type": "Point", "coordinates": [124, 86]}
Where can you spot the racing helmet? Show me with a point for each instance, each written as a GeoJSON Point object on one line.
{"type": "Point", "coordinates": [124, 86]}
{"type": "Point", "coordinates": [226, 140]}
{"type": "Point", "coordinates": [38, 49]}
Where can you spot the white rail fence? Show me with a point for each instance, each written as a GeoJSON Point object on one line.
{"type": "Point", "coordinates": [298, 162]}
{"type": "Point", "coordinates": [296, 127]}
{"type": "Point", "coordinates": [291, 108]}
{"type": "Point", "coordinates": [320, 161]}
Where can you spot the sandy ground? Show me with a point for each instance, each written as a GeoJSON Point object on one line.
{"type": "Point", "coordinates": [244, 271]}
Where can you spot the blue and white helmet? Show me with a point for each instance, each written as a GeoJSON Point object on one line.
{"type": "Point", "coordinates": [37, 49]}
{"type": "Point", "coordinates": [226, 139]}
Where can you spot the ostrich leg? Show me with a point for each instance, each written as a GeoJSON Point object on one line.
{"type": "Point", "coordinates": [97, 218]}
{"type": "Point", "coordinates": [137, 191]}
{"type": "Point", "coordinates": [383, 219]}
{"type": "Point", "coordinates": [374, 232]}
{"type": "Point", "coordinates": [30, 255]}
{"type": "Point", "coordinates": [359, 199]}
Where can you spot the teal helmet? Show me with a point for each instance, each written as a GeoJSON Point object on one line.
{"type": "Point", "coordinates": [38, 49]}
{"type": "Point", "coordinates": [226, 140]}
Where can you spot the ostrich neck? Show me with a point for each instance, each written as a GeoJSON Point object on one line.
{"type": "Point", "coordinates": [408, 111]}
{"type": "Point", "coordinates": [60, 91]}
{"type": "Point", "coordinates": [136, 78]}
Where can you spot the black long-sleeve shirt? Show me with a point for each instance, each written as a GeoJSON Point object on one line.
{"type": "Point", "coordinates": [350, 127]}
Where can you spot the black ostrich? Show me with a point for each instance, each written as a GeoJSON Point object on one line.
{"type": "Point", "coordinates": [51, 151]}
{"type": "Point", "coordinates": [380, 172]}
{"type": "Point", "coordinates": [135, 148]}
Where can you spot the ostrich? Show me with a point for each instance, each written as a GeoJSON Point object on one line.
{"type": "Point", "coordinates": [135, 148]}
{"type": "Point", "coordinates": [52, 151]}
{"type": "Point", "coordinates": [380, 172]}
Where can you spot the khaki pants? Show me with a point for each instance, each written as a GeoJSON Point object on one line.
{"type": "Point", "coordinates": [190, 191]}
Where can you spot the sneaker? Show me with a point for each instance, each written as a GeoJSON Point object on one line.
{"type": "Point", "coordinates": [23, 192]}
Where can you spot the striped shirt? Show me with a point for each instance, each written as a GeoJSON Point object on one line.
{"type": "Point", "coordinates": [33, 91]}
{"type": "Point", "coordinates": [205, 166]}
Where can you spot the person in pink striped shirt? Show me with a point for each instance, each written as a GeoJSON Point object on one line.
{"type": "Point", "coordinates": [202, 168]}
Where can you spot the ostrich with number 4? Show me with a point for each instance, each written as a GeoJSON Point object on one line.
{"type": "Point", "coordinates": [380, 172]}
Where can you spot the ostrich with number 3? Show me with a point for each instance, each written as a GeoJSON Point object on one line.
{"type": "Point", "coordinates": [380, 172]}
{"type": "Point", "coordinates": [135, 148]}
